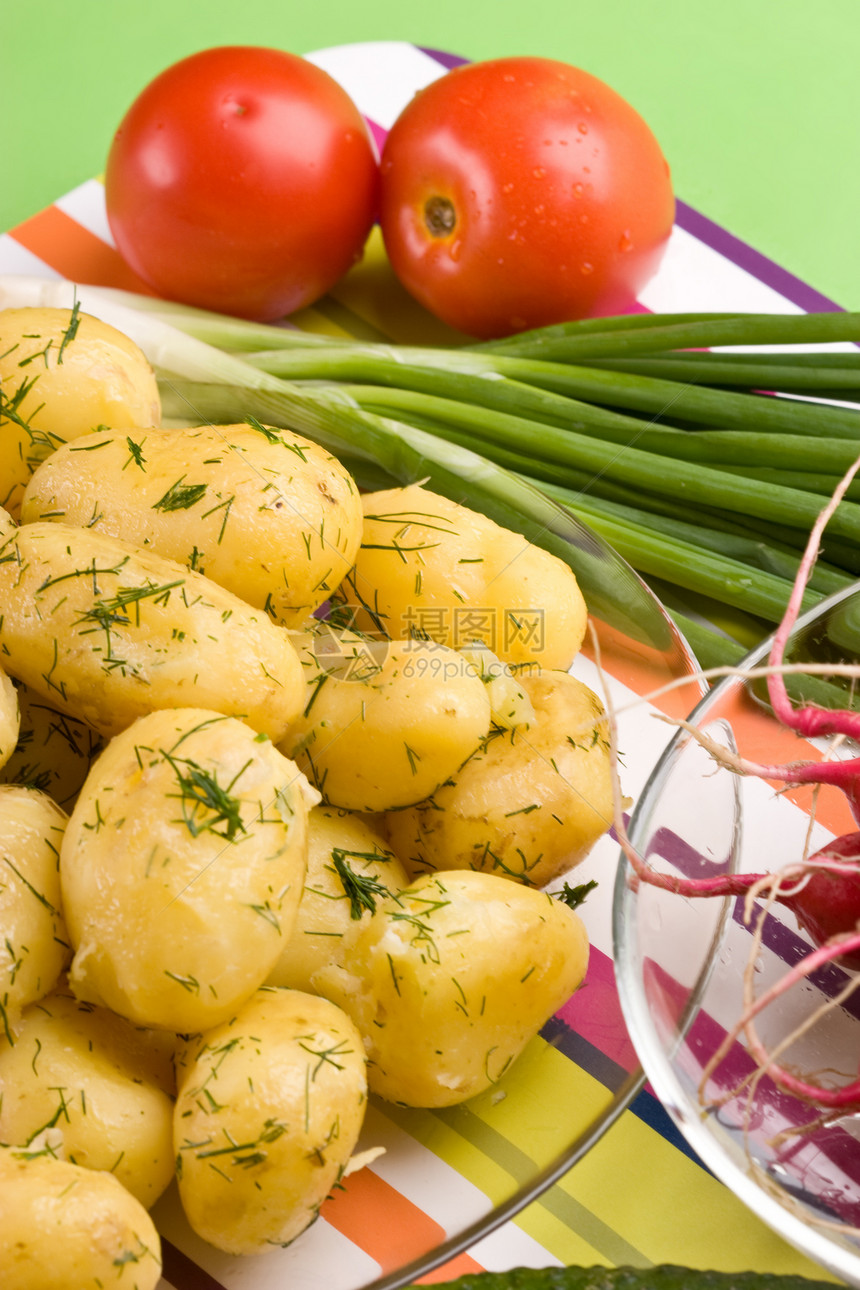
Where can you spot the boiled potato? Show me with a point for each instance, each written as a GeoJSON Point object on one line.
{"type": "Point", "coordinates": [63, 1227]}
{"type": "Point", "coordinates": [529, 804]}
{"type": "Point", "coordinates": [107, 632]}
{"type": "Point", "coordinates": [10, 718]}
{"type": "Point", "coordinates": [34, 947]}
{"type": "Point", "coordinates": [349, 869]}
{"type": "Point", "coordinates": [429, 567]}
{"type": "Point", "coordinates": [182, 868]}
{"type": "Point", "coordinates": [62, 373]}
{"type": "Point", "coordinates": [449, 980]}
{"type": "Point", "coordinates": [90, 1074]}
{"type": "Point", "coordinates": [268, 1113]}
{"type": "Point", "coordinates": [265, 513]}
{"type": "Point", "coordinates": [384, 723]}
{"type": "Point", "coordinates": [54, 751]}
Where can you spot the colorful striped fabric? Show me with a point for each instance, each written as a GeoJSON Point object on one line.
{"type": "Point", "coordinates": [451, 1182]}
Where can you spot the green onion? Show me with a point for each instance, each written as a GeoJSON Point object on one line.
{"type": "Point", "coordinates": [770, 557]}
{"type": "Point", "coordinates": [552, 448]}
{"type": "Point", "coordinates": [645, 333]}
{"type": "Point", "coordinates": [712, 649]}
{"type": "Point", "coordinates": [748, 371]}
{"type": "Point", "coordinates": [582, 395]}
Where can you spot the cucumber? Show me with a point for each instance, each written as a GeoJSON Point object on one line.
{"type": "Point", "coordinates": [666, 1276]}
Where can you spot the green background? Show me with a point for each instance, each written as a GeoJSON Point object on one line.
{"type": "Point", "coordinates": [756, 102]}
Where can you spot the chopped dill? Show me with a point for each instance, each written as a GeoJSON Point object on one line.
{"type": "Point", "coordinates": [71, 331]}
{"type": "Point", "coordinates": [361, 889]}
{"type": "Point", "coordinates": [136, 451]}
{"type": "Point", "coordinates": [573, 897]}
{"type": "Point", "coordinates": [180, 497]}
{"type": "Point", "coordinates": [200, 793]}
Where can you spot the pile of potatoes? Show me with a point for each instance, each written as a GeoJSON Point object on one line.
{"type": "Point", "coordinates": [260, 857]}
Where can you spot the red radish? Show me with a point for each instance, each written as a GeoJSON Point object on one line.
{"type": "Point", "coordinates": [828, 902]}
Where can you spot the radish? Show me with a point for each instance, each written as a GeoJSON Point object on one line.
{"type": "Point", "coordinates": [828, 904]}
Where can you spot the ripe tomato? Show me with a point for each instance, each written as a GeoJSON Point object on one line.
{"type": "Point", "coordinates": [242, 179]}
{"type": "Point", "coordinates": [519, 192]}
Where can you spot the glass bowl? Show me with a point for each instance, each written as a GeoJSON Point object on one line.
{"type": "Point", "coordinates": [681, 963]}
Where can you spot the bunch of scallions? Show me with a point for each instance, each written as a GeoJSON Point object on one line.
{"type": "Point", "coordinates": [701, 447]}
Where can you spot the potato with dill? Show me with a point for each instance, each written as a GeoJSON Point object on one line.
{"type": "Point", "coordinates": [64, 1226]}
{"type": "Point", "coordinates": [181, 869]}
{"type": "Point", "coordinates": [96, 1077]}
{"type": "Point", "coordinates": [108, 632]}
{"type": "Point", "coordinates": [449, 980]}
{"type": "Point", "coordinates": [10, 718]}
{"type": "Point", "coordinates": [268, 1113]}
{"type": "Point", "coordinates": [530, 803]}
{"type": "Point", "coordinates": [429, 567]}
{"type": "Point", "coordinates": [62, 373]}
{"type": "Point", "coordinates": [264, 512]}
{"type": "Point", "coordinates": [384, 723]}
{"type": "Point", "coordinates": [349, 868]}
{"type": "Point", "coordinates": [34, 946]}
{"type": "Point", "coordinates": [54, 751]}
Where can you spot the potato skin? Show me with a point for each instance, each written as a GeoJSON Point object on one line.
{"type": "Point", "coordinates": [448, 981]}
{"type": "Point", "coordinates": [388, 733]}
{"type": "Point", "coordinates": [285, 1079]}
{"type": "Point", "coordinates": [34, 946]}
{"type": "Point", "coordinates": [182, 868]}
{"type": "Point", "coordinates": [267, 514]}
{"type": "Point", "coordinates": [90, 1073]}
{"type": "Point", "coordinates": [65, 375]}
{"type": "Point", "coordinates": [107, 632]}
{"type": "Point", "coordinates": [10, 718]}
{"type": "Point", "coordinates": [54, 751]}
{"type": "Point", "coordinates": [428, 566]}
{"type": "Point", "coordinates": [325, 920]}
{"type": "Point", "coordinates": [63, 1226]}
{"type": "Point", "coordinates": [529, 804]}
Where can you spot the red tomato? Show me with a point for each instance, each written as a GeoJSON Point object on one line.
{"type": "Point", "coordinates": [242, 179]}
{"type": "Point", "coordinates": [520, 192]}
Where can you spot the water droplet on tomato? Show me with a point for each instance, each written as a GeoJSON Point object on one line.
{"type": "Point", "coordinates": [582, 128]}
{"type": "Point", "coordinates": [583, 219]}
{"type": "Point", "coordinates": [539, 210]}
{"type": "Point", "coordinates": [578, 190]}
{"type": "Point", "coordinates": [507, 188]}
{"type": "Point", "coordinates": [585, 268]}
{"type": "Point", "coordinates": [626, 241]}
{"type": "Point", "coordinates": [538, 172]}
{"type": "Point", "coordinates": [455, 250]}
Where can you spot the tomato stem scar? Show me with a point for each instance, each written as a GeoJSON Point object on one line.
{"type": "Point", "coordinates": [439, 216]}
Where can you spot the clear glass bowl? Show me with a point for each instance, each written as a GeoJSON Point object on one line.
{"type": "Point", "coordinates": [681, 963]}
